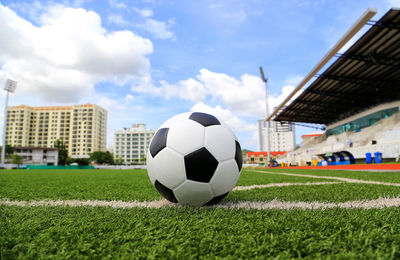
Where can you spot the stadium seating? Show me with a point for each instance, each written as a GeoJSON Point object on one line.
{"type": "Point", "coordinates": [383, 136]}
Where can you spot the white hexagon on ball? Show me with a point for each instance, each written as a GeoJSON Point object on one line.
{"type": "Point", "coordinates": [171, 176]}
{"type": "Point", "coordinates": [225, 177]}
{"type": "Point", "coordinates": [194, 159]}
{"type": "Point", "coordinates": [229, 129]}
{"type": "Point", "coordinates": [186, 136]}
{"type": "Point", "coordinates": [193, 193]}
{"type": "Point", "coordinates": [220, 142]}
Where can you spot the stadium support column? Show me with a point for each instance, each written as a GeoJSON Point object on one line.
{"type": "Point", "coordinates": [9, 87]}
{"type": "Point", "coordinates": [265, 80]}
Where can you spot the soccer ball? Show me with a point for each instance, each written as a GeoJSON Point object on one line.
{"type": "Point", "coordinates": [194, 159]}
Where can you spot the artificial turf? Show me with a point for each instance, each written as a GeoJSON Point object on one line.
{"type": "Point", "coordinates": [249, 177]}
{"type": "Point", "coordinates": [360, 175]}
{"type": "Point", "coordinates": [323, 193]}
{"type": "Point", "coordinates": [125, 185]}
{"type": "Point", "coordinates": [185, 232]}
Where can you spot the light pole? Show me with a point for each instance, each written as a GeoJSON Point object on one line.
{"type": "Point", "coordinates": [265, 80]}
{"type": "Point", "coordinates": [10, 87]}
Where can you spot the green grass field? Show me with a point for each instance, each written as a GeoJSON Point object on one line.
{"type": "Point", "coordinates": [209, 232]}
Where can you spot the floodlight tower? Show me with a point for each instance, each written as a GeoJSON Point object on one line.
{"type": "Point", "coordinates": [265, 80]}
{"type": "Point", "coordinates": [10, 87]}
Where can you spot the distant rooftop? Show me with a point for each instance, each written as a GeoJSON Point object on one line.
{"type": "Point", "coordinates": [265, 153]}
{"type": "Point", "coordinates": [312, 135]}
{"type": "Point", "coordinates": [135, 128]}
{"type": "Point", "coordinates": [40, 108]}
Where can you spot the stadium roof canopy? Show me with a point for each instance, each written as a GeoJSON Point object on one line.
{"type": "Point", "coordinates": [366, 75]}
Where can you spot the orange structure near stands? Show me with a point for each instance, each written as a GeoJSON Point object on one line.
{"type": "Point", "coordinates": [261, 157]}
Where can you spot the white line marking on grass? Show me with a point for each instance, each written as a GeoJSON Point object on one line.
{"type": "Point", "coordinates": [332, 178]}
{"type": "Point", "coordinates": [89, 203]}
{"type": "Point", "coordinates": [285, 205]}
{"type": "Point", "coordinates": [271, 185]}
{"type": "Point", "coordinates": [258, 205]}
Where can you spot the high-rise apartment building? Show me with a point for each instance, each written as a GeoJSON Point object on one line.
{"type": "Point", "coordinates": [131, 144]}
{"type": "Point", "coordinates": [282, 136]}
{"type": "Point", "coordinates": [82, 128]}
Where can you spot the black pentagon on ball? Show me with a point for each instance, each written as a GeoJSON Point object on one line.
{"type": "Point", "coordinates": [159, 141]}
{"type": "Point", "coordinates": [238, 156]}
{"type": "Point", "coordinates": [165, 192]}
{"type": "Point", "coordinates": [200, 165]}
{"type": "Point", "coordinates": [216, 199]}
{"type": "Point", "coordinates": [204, 119]}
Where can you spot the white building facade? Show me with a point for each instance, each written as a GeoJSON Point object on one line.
{"type": "Point", "coordinates": [82, 128]}
{"type": "Point", "coordinates": [38, 155]}
{"type": "Point", "coordinates": [131, 144]}
{"type": "Point", "coordinates": [282, 136]}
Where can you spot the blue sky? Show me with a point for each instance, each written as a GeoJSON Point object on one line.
{"type": "Point", "coordinates": [147, 60]}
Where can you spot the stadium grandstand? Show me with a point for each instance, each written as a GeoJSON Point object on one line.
{"type": "Point", "coordinates": [356, 98]}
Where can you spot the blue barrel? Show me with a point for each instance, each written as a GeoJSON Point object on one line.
{"type": "Point", "coordinates": [368, 158]}
{"type": "Point", "coordinates": [378, 157]}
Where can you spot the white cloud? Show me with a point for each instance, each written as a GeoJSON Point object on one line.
{"type": "Point", "coordinates": [117, 20]}
{"type": "Point", "coordinates": [189, 89]}
{"type": "Point", "coordinates": [31, 10]}
{"type": "Point", "coordinates": [244, 96]}
{"type": "Point", "coordinates": [146, 12]}
{"type": "Point", "coordinates": [226, 115]}
{"type": "Point", "coordinates": [232, 13]}
{"type": "Point", "coordinates": [394, 3]}
{"type": "Point", "coordinates": [117, 4]}
{"type": "Point", "coordinates": [128, 98]}
{"type": "Point", "coordinates": [275, 100]}
{"type": "Point", "coordinates": [108, 103]}
{"type": "Point", "coordinates": [70, 51]}
{"type": "Point", "coordinates": [79, 3]}
{"type": "Point", "coordinates": [126, 103]}
{"type": "Point", "coordinates": [159, 29]}
{"type": "Point", "coordinates": [143, 12]}
{"type": "Point", "coordinates": [294, 80]}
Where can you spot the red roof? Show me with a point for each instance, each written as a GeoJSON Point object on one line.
{"type": "Point", "coordinates": [265, 153]}
{"type": "Point", "coordinates": [311, 135]}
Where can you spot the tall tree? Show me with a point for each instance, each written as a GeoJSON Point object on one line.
{"type": "Point", "coordinates": [62, 152]}
{"type": "Point", "coordinates": [81, 161]}
{"type": "Point", "coordinates": [143, 159]}
{"type": "Point", "coordinates": [102, 157]}
{"type": "Point", "coordinates": [16, 159]}
{"type": "Point", "coordinates": [118, 160]}
{"type": "Point", "coordinates": [9, 150]}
